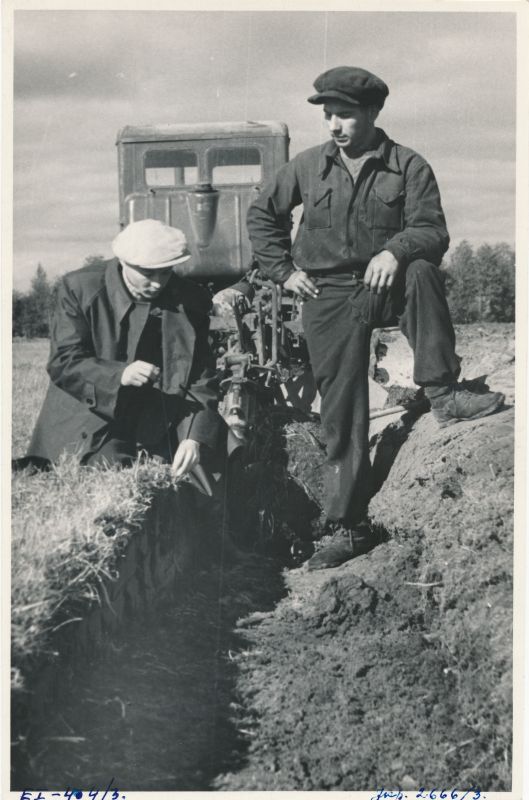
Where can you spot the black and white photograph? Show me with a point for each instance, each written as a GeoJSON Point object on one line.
{"type": "Point", "coordinates": [266, 273]}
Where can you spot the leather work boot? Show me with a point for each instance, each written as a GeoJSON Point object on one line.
{"type": "Point", "coordinates": [344, 545]}
{"type": "Point", "coordinates": [459, 404]}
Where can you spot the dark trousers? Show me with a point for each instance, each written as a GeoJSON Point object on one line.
{"type": "Point", "coordinates": [114, 450]}
{"type": "Point", "coordinates": [338, 326]}
{"type": "Point", "coordinates": [142, 424]}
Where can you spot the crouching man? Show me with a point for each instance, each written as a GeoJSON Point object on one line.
{"type": "Point", "coordinates": [130, 365]}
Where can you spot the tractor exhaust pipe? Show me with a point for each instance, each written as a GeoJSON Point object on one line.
{"type": "Point", "coordinates": [202, 204]}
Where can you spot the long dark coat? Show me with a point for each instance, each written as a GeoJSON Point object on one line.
{"type": "Point", "coordinates": [90, 348]}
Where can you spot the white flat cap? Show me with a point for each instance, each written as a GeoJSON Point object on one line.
{"type": "Point", "coordinates": [151, 244]}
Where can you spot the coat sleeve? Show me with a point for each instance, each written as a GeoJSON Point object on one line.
{"type": "Point", "coordinates": [201, 421]}
{"type": "Point", "coordinates": [73, 364]}
{"type": "Point", "coordinates": [269, 224]}
{"type": "Point", "coordinates": [424, 234]}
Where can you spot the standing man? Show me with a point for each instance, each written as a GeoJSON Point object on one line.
{"type": "Point", "coordinates": [367, 252]}
{"type": "Point", "coordinates": [130, 365]}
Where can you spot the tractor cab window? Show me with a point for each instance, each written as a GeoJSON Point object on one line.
{"type": "Point", "coordinates": [170, 168]}
{"type": "Point", "coordinates": [234, 165]}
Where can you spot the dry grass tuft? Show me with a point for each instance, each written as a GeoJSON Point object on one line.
{"type": "Point", "coordinates": [60, 551]}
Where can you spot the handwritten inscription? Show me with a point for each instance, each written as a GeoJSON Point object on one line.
{"type": "Point", "coordinates": [75, 794]}
{"type": "Point", "coordinates": [430, 794]}
{"type": "Point", "coordinates": [72, 794]}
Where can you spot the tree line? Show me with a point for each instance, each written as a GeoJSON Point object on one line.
{"type": "Point", "coordinates": [480, 287]}
{"type": "Point", "coordinates": [480, 284]}
{"type": "Point", "coordinates": [32, 310]}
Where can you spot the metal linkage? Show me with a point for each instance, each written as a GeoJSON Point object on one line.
{"type": "Point", "coordinates": [265, 350]}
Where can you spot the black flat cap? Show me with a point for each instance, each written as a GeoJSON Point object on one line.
{"type": "Point", "coordinates": [350, 85]}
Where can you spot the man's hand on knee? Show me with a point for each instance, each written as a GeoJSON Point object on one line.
{"type": "Point", "coordinates": [186, 457]}
{"type": "Point", "coordinates": [300, 283]}
{"type": "Point", "coordinates": [381, 271]}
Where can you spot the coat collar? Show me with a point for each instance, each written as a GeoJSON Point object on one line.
{"type": "Point", "coordinates": [120, 297]}
{"type": "Point", "coordinates": [386, 151]}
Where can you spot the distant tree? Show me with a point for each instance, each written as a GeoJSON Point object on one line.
{"type": "Point", "coordinates": [497, 272]}
{"type": "Point", "coordinates": [17, 315]}
{"type": "Point", "coordinates": [40, 302]}
{"type": "Point", "coordinates": [461, 284]}
{"type": "Point", "coordinates": [481, 286]}
{"type": "Point", "coordinates": [31, 310]}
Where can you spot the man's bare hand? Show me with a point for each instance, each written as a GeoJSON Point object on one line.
{"type": "Point", "coordinates": [381, 271]}
{"type": "Point", "coordinates": [300, 283]}
{"type": "Point", "coordinates": [186, 457]}
{"type": "Point", "coordinates": [138, 373]}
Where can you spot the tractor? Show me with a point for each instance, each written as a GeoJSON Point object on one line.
{"type": "Point", "coordinates": [202, 178]}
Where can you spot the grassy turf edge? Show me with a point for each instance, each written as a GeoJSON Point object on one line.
{"type": "Point", "coordinates": [64, 548]}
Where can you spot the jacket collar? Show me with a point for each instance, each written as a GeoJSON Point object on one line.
{"type": "Point", "coordinates": [117, 292]}
{"type": "Point", "coordinates": [119, 296]}
{"type": "Point", "coordinates": [386, 151]}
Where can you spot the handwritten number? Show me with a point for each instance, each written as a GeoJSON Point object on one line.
{"type": "Point", "coordinates": [77, 794]}
{"type": "Point", "coordinates": [107, 789]}
{"type": "Point", "coordinates": [434, 794]}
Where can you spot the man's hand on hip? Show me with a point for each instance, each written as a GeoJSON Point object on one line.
{"type": "Point", "coordinates": [381, 271]}
{"type": "Point", "coordinates": [186, 457]}
{"type": "Point", "coordinates": [138, 373]}
{"type": "Point", "coordinates": [300, 283]}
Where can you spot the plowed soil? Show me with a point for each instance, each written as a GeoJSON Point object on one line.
{"type": "Point", "coordinates": [393, 670]}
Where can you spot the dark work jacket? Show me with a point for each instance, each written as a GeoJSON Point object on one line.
{"type": "Point", "coordinates": [90, 348]}
{"type": "Point", "coordinates": [393, 205]}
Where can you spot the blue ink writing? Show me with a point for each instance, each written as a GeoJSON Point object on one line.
{"type": "Point", "coordinates": [76, 794]}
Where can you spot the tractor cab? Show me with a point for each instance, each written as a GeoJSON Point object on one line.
{"type": "Point", "coordinates": [200, 178]}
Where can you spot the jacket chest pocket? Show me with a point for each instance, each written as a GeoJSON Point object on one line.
{"type": "Point", "coordinates": [317, 210]}
{"type": "Point", "coordinates": [387, 208]}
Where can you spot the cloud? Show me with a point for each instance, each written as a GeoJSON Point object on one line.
{"type": "Point", "coordinates": [82, 75]}
{"type": "Point", "coordinates": [479, 201]}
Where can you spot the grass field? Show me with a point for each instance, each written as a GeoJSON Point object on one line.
{"type": "Point", "coordinates": [30, 381]}
{"type": "Point", "coordinates": [59, 551]}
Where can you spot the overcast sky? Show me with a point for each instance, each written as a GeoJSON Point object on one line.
{"type": "Point", "coordinates": [82, 75]}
